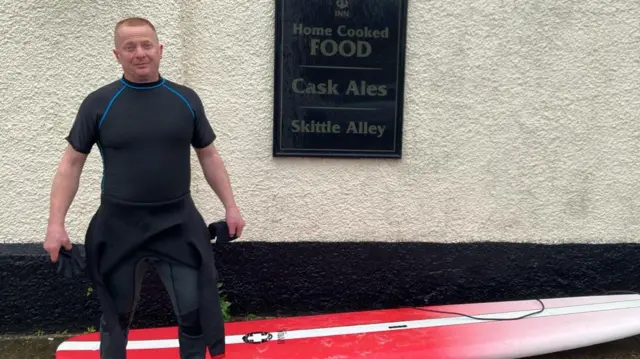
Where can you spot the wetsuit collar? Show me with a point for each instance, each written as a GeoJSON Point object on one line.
{"type": "Point", "coordinates": [142, 85]}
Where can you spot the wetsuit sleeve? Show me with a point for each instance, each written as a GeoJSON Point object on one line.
{"type": "Point", "coordinates": [203, 134]}
{"type": "Point", "coordinates": [83, 133]}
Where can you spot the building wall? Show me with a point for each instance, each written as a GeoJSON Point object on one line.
{"type": "Point", "coordinates": [520, 126]}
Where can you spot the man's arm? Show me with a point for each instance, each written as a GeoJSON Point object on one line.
{"type": "Point", "coordinates": [65, 185]}
{"type": "Point", "coordinates": [218, 178]}
{"type": "Point", "coordinates": [216, 175]}
{"type": "Point", "coordinates": [213, 166]}
{"type": "Point", "coordinates": [81, 138]}
{"type": "Point", "coordinates": [63, 190]}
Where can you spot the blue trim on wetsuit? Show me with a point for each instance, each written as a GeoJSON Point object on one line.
{"type": "Point", "coordinates": [160, 83]}
{"type": "Point", "coordinates": [183, 99]}
{"type": "Point", "coordinates": [104, 115]}
{"type": "Point", "coordinates": [113, 99]}
{"type": "Point", "coordinates": [103, 168]}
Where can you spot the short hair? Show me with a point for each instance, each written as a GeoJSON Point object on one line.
{"type": "Point", "coordinates": [132, 21]}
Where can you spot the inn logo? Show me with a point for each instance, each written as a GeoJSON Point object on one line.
{"type": "Point", "coordinates": [342, 8]}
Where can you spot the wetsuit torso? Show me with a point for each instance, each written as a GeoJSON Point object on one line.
{"type": "Point", "coordinates": [144, 133]}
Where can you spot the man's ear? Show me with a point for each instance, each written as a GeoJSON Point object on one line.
{"type": "Point", "coordinates": [115, 54]}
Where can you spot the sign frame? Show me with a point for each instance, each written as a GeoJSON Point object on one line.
{"type": "Point", "coordinates": [279, 83]}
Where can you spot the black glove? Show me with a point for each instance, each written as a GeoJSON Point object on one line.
{"type": "Point", "coordinates": [70, 262]}
{"type": "Point", "coordinates": [220, 231]}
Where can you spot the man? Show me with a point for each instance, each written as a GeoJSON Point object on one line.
{"type": "Point", "coordinates": [144, 126]}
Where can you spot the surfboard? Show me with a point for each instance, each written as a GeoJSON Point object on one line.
{"type": "Point", "coordinates": [493, 330]}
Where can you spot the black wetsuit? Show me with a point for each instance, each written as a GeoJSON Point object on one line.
{"type": "Point", "coordinates": [145, 133]}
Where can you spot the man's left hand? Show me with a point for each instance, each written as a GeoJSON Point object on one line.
{"type": "Point", "coordinates": [235, 222]}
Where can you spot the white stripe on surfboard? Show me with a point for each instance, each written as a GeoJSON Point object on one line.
{"type": "Point", "coordinates": [369, 328]}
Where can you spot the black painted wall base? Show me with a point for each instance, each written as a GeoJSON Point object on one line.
{"type": "Point", "coordinates": [305, 278]}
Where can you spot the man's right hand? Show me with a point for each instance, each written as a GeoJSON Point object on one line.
{"type": "Point", "coordinates": [56, 238]}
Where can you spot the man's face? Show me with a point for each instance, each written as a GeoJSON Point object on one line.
{"type": "Point", "coordinates": [139, 53]}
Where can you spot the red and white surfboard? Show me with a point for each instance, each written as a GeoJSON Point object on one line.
{"type": "Point", "coordinates": [565, 323]}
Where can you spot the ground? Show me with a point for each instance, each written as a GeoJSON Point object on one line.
{"type": "Point", "coordinates": [44, 347]}
{"type": "Point", "coordinates": [37, 347]}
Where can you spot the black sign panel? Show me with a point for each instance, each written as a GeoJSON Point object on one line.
{"type": "Point", "coordinates": [339, 78]}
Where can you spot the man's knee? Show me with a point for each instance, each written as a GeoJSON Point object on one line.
{"type": "Point", "coordinates": [124, 319]}
{"type": "Point", "coordinates": [190, 323]}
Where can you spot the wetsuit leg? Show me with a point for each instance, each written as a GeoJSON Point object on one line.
{"type": "Point", "coordinates": [124, 285]}
{"type": "Point", "coordinates": [181, 283]}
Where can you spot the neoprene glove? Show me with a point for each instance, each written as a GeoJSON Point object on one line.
{"type": "Point", "coordinates": [220, 230]}
{"type": "Point", "coordinates": [70, 262]}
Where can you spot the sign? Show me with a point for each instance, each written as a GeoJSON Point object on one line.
{"type": "Point", "coordinates": [339, 78]}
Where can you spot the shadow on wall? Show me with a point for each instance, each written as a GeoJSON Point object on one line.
{"type": "Point", "coordinates": [308, 278]}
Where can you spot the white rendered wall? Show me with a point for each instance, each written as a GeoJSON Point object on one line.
{"type": "Point", "coordinates": [521, 121]}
